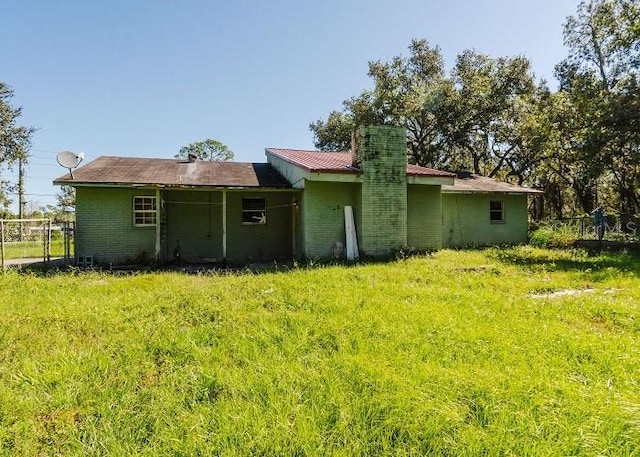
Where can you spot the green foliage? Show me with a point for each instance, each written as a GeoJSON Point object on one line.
{"type": "Point", "coordinates": [408, 91]}
{"type": "Point", "coordinates": [458, 353]}
{"type": "Point", "coordinates": [603, 37]}
{"type": "Point", "coordinates": [580, 144]}
{"type": "Point", "coordinates": [208, 149]}
{"type": "Point", "coordinates": [556, 236]}
{"type": "Point", "coordinates": [334, 134]}
{"type": "Point", "coordinates": [15, 140]}
{"type": "Point", "coordinates": [66, 199]}
{"type": "Point", "coordinates": [600, 80]}
{"type": "Point", "coordinates": [467, 120]}
{"type": "Point", "coordinates": [491, 101]}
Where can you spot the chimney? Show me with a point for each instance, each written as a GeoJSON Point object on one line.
{"type": "Point", "coordinates": [356, 161]}
{"type": "Point", "coordinates": [380, 152]}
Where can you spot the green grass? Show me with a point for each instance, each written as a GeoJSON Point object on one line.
{"type": "Point", "coordinates": [33, 249]}
{"type": "Point", "coordinates": [565, 234]}
{"type": "Point", "coordinates": [449, 354]}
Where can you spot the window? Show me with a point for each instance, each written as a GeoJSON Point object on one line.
{"type": "Point", "coordinates": [144, 211]}
{"type": "Point", "coordinates": [254, 211]}
{"type": "Point", "coordinates": [496, 212]}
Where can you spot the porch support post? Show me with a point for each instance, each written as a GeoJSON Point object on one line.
{"type": "Point", "coordinates": [294, 217]}
{"type": "Point", "coordinates": [224, 227]}
{"type": "Point", "coordinates": [158, 205]}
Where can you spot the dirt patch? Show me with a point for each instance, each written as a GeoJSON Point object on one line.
{"type": "Point", "coordinates": [563, 293]}
{"type": "Point", "coordinates": [479, 269]}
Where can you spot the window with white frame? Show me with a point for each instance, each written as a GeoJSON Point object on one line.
{"type": "Point", "coordinates": [254, 211]}
{"type": "Point", "coordinates": [496, 211]}
{"type": "Point", "coordinates": [144, 211]}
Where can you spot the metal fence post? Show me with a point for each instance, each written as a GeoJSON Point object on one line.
{"type": "Point", "coordinates": [2, 242]}
{"type": "Point", "coordinates": [48, 259]}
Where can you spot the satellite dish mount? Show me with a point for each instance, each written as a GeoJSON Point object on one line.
{"type": "Point", "coordinates": [69, 160]}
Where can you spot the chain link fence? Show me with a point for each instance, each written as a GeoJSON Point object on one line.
{"type": "Point", "coordinates": [619, 228]}
{"type": "Point", "coordinates": [22, 240]}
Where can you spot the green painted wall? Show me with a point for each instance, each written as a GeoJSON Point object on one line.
{"type": "Point", "coordinates": [465, 220]}
{"type": "Point", "coordinates": [194, 221]}
{"type": "Point", "coordinates": [424, 219]}
{"type": "Point", "coordinates": [104, 226]}
{"type": "Point", "coordinates": [381, 153]}
{"type": "Point", "coordinates": [323, 215]}
{"type": "Point", "coordinates": [290, 172]}
{"type": "Point", "coordinates": [274, 240]}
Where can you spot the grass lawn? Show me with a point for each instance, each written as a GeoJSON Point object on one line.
{"type": "Point", "coordinates": [33, 249]}
{"type": "Point", "coordinates": [517, 351]}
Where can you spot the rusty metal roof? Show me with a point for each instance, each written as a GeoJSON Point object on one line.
{"type": "Point", "coordinates": [471, 183]}
{"type": "Point", "coordinates": [174, 172]}
{"type": "Point", "coordinates": [340, 162]}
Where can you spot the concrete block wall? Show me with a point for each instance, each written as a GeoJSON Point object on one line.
{"type": "Point", "coordinates": [194, 222]}
{"type": "Point", "coordinates": [323, 215]}
{"type": "Point", "coordinates": [424, 217]}
{"type": "Point", "coordinates": [273, 240]}
{"type": "Point", "coordinates": [104, 226]}
{"type": "Point", "coordinates": [195, 218]}
{"type": "Point", "coordinates": [381, 152]}
{"type": "Point", "coordinates": [465, 220]}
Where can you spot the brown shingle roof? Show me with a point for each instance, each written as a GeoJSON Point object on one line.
{"type": "Point", "coordinates": [339, 162]}
{"type": "Point", "coordinates": [173, 172]}
{"type": "Point", "coordinates": [471, 183]}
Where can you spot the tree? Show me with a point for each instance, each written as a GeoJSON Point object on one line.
{"type": "Point", "coordinates": [66, 204]}
{"type": "Point", "coordinates": [485, 112]}
{"type": "Point", "coordinates": [334, 134]}
{"type": "Point", "coordinates": [600, 79]}
{"type": "Point", "coordinates": [15, 140]}
{"type": "Point", "coordinates": [580, 144]}
{"type": "Point", "coordinates": [209, 149]}
{"type": "Point", "coordinates": [408, 91]}
{"type": "Point", "coordinates": [465, 120]}
{"type": "Point", "coordinates": [604, 37]}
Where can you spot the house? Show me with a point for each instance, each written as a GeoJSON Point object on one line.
{"type": "Point", "coordinates": [137, 209]}
{"type": "Point", "coordinates": [480, 211]}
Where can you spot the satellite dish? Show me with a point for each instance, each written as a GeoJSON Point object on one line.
{"type": "Point", "coordinates": [70, 160]}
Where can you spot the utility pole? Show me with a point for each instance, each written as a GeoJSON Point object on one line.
{"type": "Point", "coordinates": [21, 202]}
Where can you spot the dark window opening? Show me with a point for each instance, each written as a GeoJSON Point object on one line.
{"type": "Point", "coordinates": [496, 211]}
{"type": "Point", "coordinates": [254, 211]}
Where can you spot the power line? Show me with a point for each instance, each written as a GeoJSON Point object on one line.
{"type": "Point", "coordinates": [33, 195]}
{"type": "Point", "coordinates": [44, 150]}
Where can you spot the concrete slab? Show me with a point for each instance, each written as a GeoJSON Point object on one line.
{"type": "Point", "coordinates": [19, 263]}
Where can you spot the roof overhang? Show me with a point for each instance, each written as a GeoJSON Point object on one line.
{"type": "Point", "coordinates": [297, 174]}
{"type": "Point", "coordinates": [172, 187]}
{"type": "Point", "coordinates": [430, 180]}
{"type": "Point", "coordinates": [491, 192]}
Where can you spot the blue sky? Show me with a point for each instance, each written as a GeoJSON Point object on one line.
{"type": "Point", "coordinates": [144, 78]}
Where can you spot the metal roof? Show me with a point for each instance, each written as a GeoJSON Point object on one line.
{"type": "Point", "coordinates": [340, 162]}
{"type": "Point", "coordinates": [471, 183]}
{"type": "Point", "coordinates": [174, 172]}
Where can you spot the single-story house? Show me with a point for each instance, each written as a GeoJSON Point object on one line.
{"type": "Point", "coordinates": [480, 211]}
{"type": "Point", "coordinates": [136, 209]}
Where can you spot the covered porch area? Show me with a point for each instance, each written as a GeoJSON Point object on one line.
{"type": "Point", "coordinates": [227, 225]}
